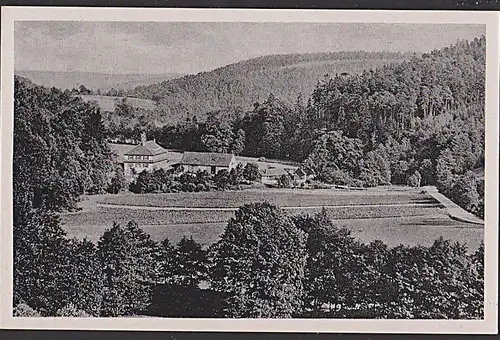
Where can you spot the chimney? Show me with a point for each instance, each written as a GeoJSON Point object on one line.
{"type": "Point", "coordinates": [143, 138]}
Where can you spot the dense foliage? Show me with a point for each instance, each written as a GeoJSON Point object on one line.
{"type": "Point", "coordinates": [259, 262]}
{"type": "Point", "coordinates": [160, 180]}
{"type": "Point", "coordinates": [60, 149]}
{"type": "Point", "coordinates": [416, 122]}
{"type": "Point", "coordinates": [347, 278]}
{"type": "Point", "coordinates": [60, 152]}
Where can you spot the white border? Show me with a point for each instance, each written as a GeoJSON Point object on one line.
{"type": "Point", "coordinates": [490, 19]}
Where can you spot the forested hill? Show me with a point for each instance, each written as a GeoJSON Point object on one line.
{"type": "Point", "coordinates": [244, 83]}
{"type": "Point", "coordinates": [416, 121]}
{"type": "Point", "coordinates": [92, 80]}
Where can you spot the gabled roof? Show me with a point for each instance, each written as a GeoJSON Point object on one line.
{"type": "Point", "coordinates": [300, 172]}
{"type": "Point", "coordinates": [275, 172]}
{"type": "Point", "coordinates": [149, 148]}
{"type": "Point", "coordinates": [206, 159]}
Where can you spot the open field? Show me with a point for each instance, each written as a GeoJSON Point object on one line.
{"type": "Point", "coordinates": [281, 197]}
{"type": "Point", "coordinates": [401, 217]}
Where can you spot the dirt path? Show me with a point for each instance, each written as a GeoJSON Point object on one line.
{"type": "Point", "coordinates": [454, 211]}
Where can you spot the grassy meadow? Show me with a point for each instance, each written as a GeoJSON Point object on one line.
{"type": "Point", "coordinates": [420, 222]}
{"type": "Point", "coordinates": [281, 197]}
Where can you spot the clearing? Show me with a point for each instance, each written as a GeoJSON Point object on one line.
{"type": "Point", "coordinates": [402, 216]}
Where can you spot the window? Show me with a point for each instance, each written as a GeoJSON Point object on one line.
{"type": "Point", "coordinates": [213, 170]}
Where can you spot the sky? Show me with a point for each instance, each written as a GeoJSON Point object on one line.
{"type": "Point", "coordinates": [182, 47]}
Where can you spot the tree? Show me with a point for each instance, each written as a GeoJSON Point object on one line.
{"type": "Point", "coordinates": [445, 173]}
{"type": "Point", "coordinates": [84, 279]}
{"type": "Point", "coordinates": [464, 192]}
{"type": "Point", "coordinates": [236, 174]}
{"type": "Point", "coordinates": [222, 179]}
{"type": "Point", "coordinates": [414, 180]}
{"type": "Point", "coordinates": [331, 263]}
{"type": "Point", "coordinates": [83, 90]}
{"type": "Point", "coordinates": [166, 262]}
{"type": "Point", "coordinates": [123, 108]}
{"type": "Point", "coordinates": [24, 311]}
{"type": "Point", "coordinates": [259, 263]}
{"type": "Point", "coordinates": [217, 135]}
{"type": "Point", "coordinates": [59, 148]}
{"type": "Point", "coordinates": [117, 181]}
{"type": "Point", "coordinates": [251, 172]}
{"type": "Point", "coordinates": [127, 257]}
{"type": "Point", "coordinates": [375, 170]}
{"type": "Point", "coordinates": [400, 172]}
{"type": "Point", "coordinates": [284, 181]}
{"type": "Point", "coordinates": [41, 257]}
{"type": "Point", "coordinates": [71, 311]}
{"type": "Point", "coordinates": [238, 142]}
{"type": "Point", "coordinates": [428, 172]}
{"type": "Point", "coordinates": [336, 151]}
{"type": "Point", "coordinates": [188, 263]}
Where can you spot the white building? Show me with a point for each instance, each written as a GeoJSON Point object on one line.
{"type": "Point", "coordinates": [148, 155]}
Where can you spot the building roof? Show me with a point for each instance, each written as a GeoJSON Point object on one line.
{"type": "Point", "coordinates": [275, 172]}
{"type": "Point", "coordinates": [149, 148]}
{"type": "Point", "coordinates": [206, 159]}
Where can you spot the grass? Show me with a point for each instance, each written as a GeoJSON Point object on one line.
{"type": "Point", "coordinates": [282, 198]}
{"type": "Point", "coordinates": [411, 230]}
{"type": "Point", "coordinates": [394, 225]}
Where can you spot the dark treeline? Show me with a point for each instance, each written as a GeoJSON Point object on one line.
{"type": "Point", "coordinates": [417, 122]}
{"type": "Point", "coordinates": [60, 152]}
{"type": "Point", "coordinates": [267, 264]}
{"type": "Point", "coordinates": [60, 149]}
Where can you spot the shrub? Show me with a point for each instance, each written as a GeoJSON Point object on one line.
{"type": "Point", "coordinates": [334, 176]}
{"type": "Point", "coordinates": [222, 180]}
{"type": "Point", "coordinates": [251, 172]}
{"type": "Point", "coordinates": [464, 192]}
{"type": "Point", "coordinates": [414, 179]}
{"type": "Point", "coordinates": [24, 311]}
{"type": "Point", "coordinates": [357, 183]}
{"type": "Point", "coordinates": [369, 179]}
{"type": "Point", "coordinates": [284, 181]}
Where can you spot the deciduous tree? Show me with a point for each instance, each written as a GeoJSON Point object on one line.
{"type": "Point", "coordinates": [259, 262]}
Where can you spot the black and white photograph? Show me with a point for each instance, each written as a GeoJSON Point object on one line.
{"type": "Point", "coordinates": [257, 170]}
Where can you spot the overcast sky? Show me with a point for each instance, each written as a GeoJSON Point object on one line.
{"type": "Point", "coordinates": [135, 47]}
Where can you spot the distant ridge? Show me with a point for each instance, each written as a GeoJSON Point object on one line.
{"type": "Point", "coordinates": [92, 80]}
{"type": "Point", "coordinates": [244, 83]}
